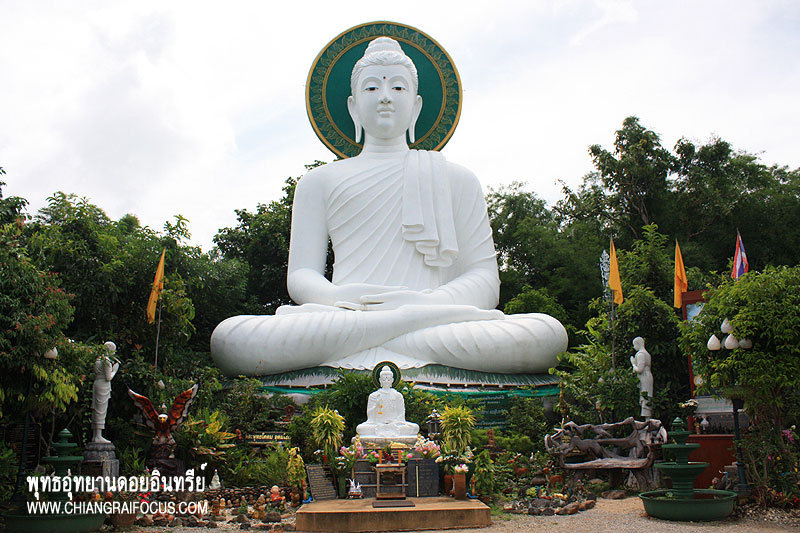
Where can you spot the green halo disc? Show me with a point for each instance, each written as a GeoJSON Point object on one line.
{"type": "Point", "coordinates": [328, 87]}
{"type": "Point", "coordinates": [376, 373]}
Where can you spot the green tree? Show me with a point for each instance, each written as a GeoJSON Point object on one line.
{"type": "Point", "coordinates": [34, 312]}
{"type": "Point", "coordinates": [763, 307]}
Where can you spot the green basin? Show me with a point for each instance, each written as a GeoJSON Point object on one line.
{"type": "Point", "coordinates": [706, 505]}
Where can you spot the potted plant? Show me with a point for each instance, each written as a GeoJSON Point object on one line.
{"type": "Point", "coordinates": [484, 476]}
{"type": "Point", "coordinates": [327, 426]}
{"type": "Point", "coordinates": [457, 425]}
{"type": "Point", "coordinates": [460, 481]}
{"type": "Point", "coordinates": [296, 472]}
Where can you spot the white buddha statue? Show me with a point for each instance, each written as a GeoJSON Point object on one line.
{"type": "Point", "coordinates": [386, 415]}
{"type": "Point", "coordinates": [415, 276]}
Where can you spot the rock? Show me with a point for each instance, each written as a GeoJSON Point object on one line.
{"type": "Point", "coordinates": [273, 516]}
{"type": "Point", "coordinates": [539, 481]}
{"type": "Point", "coordinates": [177, 522]}
{"type": "Point", "coordinates": [587, 504]}
{"type": "Point", "coordinates": [244, 525]}
{"type": "Point", "coordinates": [161, 522]}
{"type": "Point", "coordinates": [591, 496]}
{"type": "Point", "coordinates": [548, 511]}
{"type": "Point", "coordinates": [614, 494]}
{"type": "Point", "coordinates": [146, 521]}
{"type": "Point", "coordinates": [241, 519]}
{"type": "Point", "coordinates": [540, 503]}
{"type": "Point", "coordinates": [535, 511]}
{"type": "Point", "coordinates": [572, 508]}
{"type": "Point", "coordinates": [289, 527]}
{"type": "Point", "coordinates": [211, 525]}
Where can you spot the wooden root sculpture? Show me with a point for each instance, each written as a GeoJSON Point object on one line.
{"type": "Point", "coordinates": [163, 424]}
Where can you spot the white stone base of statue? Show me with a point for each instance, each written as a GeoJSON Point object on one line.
{"type": "Point", "coordinates": [382, 442]}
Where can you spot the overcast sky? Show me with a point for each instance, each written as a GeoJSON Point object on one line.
{"type": "Point", "coordinates": [197, 108]}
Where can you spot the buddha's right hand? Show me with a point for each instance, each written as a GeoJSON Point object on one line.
{"type": "Point", "coordinates": [349, 295]}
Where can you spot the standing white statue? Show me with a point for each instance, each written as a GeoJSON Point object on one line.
{"type": "Point", "coordinates": [415, 279]}
{"type": "Point", "coordinates": [386, 415]}
{"type": "Point", "coordinates": [641, 365]}
{"type": "Point", "coordinates": [105, 368]}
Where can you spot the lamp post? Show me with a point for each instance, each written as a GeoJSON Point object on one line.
{"type": "Point", "coordinates": [732, 343]}
{"type": "Point", "coordinates": [434, 425]}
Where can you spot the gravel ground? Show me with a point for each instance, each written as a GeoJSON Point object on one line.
{"type": "Point", "coordinates": [620, 516]}
{"type": "Point", "coordinates": [609, 516]}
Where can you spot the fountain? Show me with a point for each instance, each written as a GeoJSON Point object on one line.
{"type": "Point", "coordinates": [62, 463]}
{"type": "Point", "coordinates": [683, 502]}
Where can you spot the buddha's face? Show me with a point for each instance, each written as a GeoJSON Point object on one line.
{"type": "Point", "coordinates": [386, 379]}
{"type": "Point", "coordinates": [385, 103]}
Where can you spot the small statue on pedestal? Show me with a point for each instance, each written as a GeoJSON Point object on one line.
{"type": "Point", "coordinates": [161, 452]}
{"type": "Point", "coordinates": [105, 368]}
{"type": "Point", "coordinates": [641, 365]}
{"type": "Point", "coordinates": [386, 415]}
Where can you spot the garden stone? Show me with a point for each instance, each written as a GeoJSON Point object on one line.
{"type": "Point", "coordinates": [289, 527]}
{"type": "Point", "coordinates": [273, 516]}
{"type": "Point", "coordinates": [211, 525]}
{"type": "Point", "coordinates": [539, 481]}
{"type": "Point", "coordinates": [534, 511]}
{"type": "Point", "coordinates": [548, 511]}
{"type": "Point", "coordinates": [146, 521]}
{"type": "Point", "coordinates": [569, 509]}
{"type": "Point", "coordinates": [241, 519]}
{"type": "Point", "coordinates": [614, 494]}
{"type": "Point", "coordinates": [160, 522]}
{"type": "Point", "coordinates": [588, 504]}
{"type": "Point", "coordinates": [244, 525]}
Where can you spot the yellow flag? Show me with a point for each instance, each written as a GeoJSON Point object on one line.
{"type": "Point", "coordinates": [155, 292]}
{"type": "Point", "coordinates": [681, 282]}
{"type": "Point", "coordinates": [614, 283]}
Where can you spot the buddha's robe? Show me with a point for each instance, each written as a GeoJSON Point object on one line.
{"type": "Point", "coordinates": [417, 222]}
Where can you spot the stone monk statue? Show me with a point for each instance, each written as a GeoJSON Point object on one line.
{"type": "Point", "coordinates": [415, 276]}
{"type": "Point", "coordinates": [642, 365]}
{"type": "Point", "coordinates": [386, 414]}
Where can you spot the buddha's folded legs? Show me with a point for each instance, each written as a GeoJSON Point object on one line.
{"type": "Point", "coordinates": [525, 343]}
{"type": "Point", "coordinates": [459, 336]}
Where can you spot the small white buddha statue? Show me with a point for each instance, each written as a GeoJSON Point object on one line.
{"type": "Point", "coordinates": [415, 277]}
{"type": "Point", "coordinates": [386, 415]}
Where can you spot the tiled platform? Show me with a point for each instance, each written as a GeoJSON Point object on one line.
{"type": "Point", "coordinates": [359, 515]}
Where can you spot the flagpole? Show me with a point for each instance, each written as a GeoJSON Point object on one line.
{"type": "Point", "coordinates": [158, 330]}
{"type": "Point", "coordinates": [613, 337]}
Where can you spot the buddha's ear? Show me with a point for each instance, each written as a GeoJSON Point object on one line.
{"type": "Point", "coordinates": [351, 107]}
{"type": "Point", "coordinates": [414, 116]}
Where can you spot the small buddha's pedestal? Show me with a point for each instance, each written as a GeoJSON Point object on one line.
{"type": "Point", "coordinates": [100, 459]}
{"type": "Point", "coordinates": [388, 475]}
